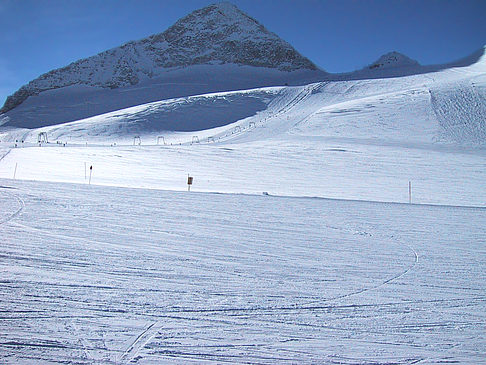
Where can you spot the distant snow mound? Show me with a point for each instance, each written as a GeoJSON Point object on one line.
{"type": "Point", "coordinates": [188, 114]}
{"type": "Point", "coordinates": [393, 60]}
{"type": "Point", "coordinates": [215, 35]}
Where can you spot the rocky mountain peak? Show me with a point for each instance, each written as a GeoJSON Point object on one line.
{"type": "Point", "coordinates": [215, 35]}
{"type": "Point", "coordinates": [219, 34]}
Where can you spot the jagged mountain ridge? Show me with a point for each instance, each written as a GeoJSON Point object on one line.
{"type": "Point", "coordinates": [217, 34]}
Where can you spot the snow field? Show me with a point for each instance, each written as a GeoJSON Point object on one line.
{"type": "Point", "coordinates": [446, 107]}
{"type": "Point", "coordinates": [96, 274]}
{"type": "Point", "coordinates": [295, 166]}
{"type": "Point", "coordinates": [355, 139]}
{"type": "Point", "coordinates": [103, 273]}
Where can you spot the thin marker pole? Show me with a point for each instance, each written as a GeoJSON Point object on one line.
{"type": "Point", "coordinates": [90, 171]}
{"type": "Point", "coordinates": [15, 171]}
{"type": "Point", "coordinates": [409, 192]}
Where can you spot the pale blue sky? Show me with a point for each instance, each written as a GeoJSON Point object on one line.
{"type": "Point", "coordinates": [37, 36]}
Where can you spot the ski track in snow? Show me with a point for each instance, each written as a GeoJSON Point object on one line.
{"type": "Point", "coordinates": [304, 306]}
{"type": "Point", "coordinates": [140, 342]}
{"type": "Point", "coordinates": [111, 275]}
{"type": "Point", "coordinates": [4, 154]}
{"type": "Point", "coordinates": [18, 211]}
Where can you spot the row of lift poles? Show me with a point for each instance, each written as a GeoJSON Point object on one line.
{"type": "Point", "coordinates": [42, 138]}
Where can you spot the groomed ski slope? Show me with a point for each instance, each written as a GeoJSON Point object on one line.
{"type": "Point", "coordinates": [114, 275]}
{"type": "Point", "coordinates": [291, 167]}
{"type": "Point", "coordinates": [355, 139]}
{"type": "Point", "coordinates": [255, 265]}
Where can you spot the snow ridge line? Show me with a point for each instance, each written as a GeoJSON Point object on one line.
{"type": "Point", "coordinates": [271, 113]}
{"type": "Point", "coordinates": [297, 99]}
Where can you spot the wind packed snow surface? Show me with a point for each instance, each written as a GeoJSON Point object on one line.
{"type": "Point", "coordinates": [96, 274]}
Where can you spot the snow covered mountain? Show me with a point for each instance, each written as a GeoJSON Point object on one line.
{"type": "Point", "coordinates": [218, 69]}
{"type": "Point", "coordinates": [393, 60]}
{"type": "Point", "coordinates": [443, 106]}
{"type": "Point", "coordinates": [217, 48]}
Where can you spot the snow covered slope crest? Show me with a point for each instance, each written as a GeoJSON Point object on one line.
{"type": "Point", "coordinates": [215, 35]}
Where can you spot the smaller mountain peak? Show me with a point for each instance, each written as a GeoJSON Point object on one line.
{"type": "Point", "coordinates": [393, 60]}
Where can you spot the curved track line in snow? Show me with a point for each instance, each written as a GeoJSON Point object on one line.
{"type": "Point", "coordinates": [17, 212]}
{"type": "Point", "coordinates": [399, 275]}
{"type": "Point", "coordinates": [145, 335]}
{"type": "Point", "coordinates": [5, 155]}
{"type": "Point", "coordinates": [140, 342]}
{"type": "Point", "coordinates": [387, 281]}
{"type": "Point", "coordinates": [307, 306]}
{"type": "Point", "coordinates": [150, 331]}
